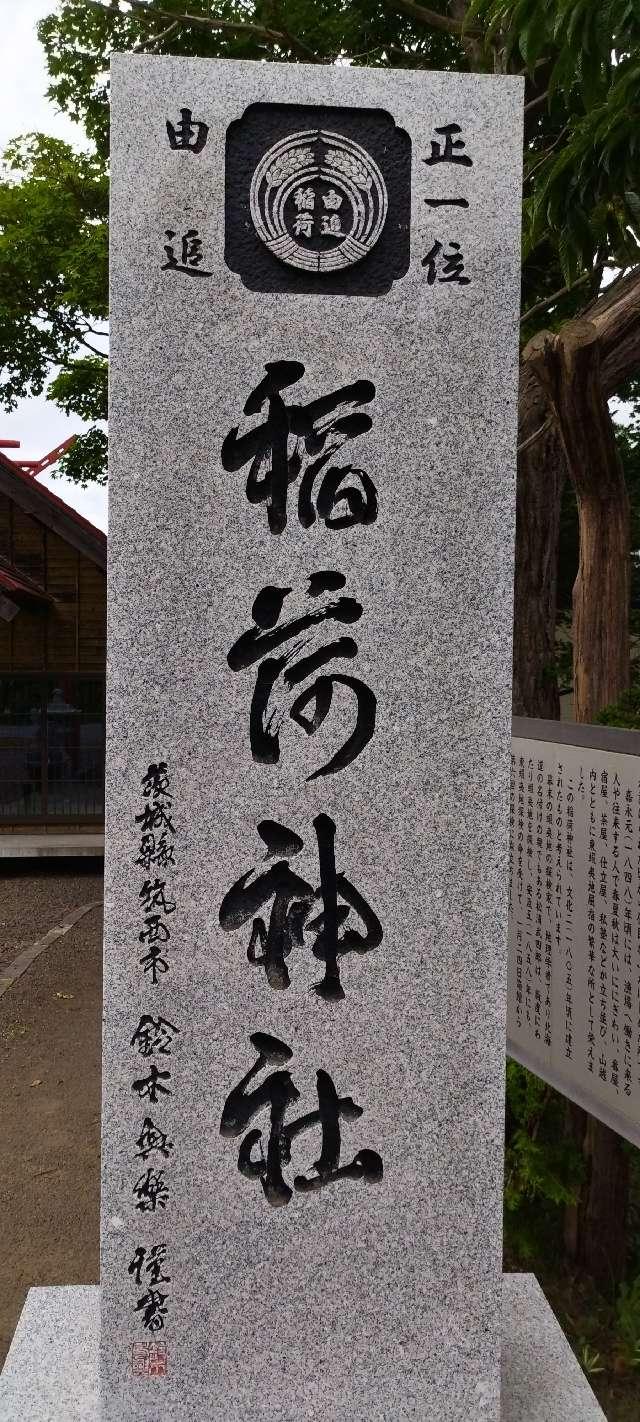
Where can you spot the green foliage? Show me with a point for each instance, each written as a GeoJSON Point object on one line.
{"type": "Point", "coordinates": [86, 461]}
{"type": "Point", "coordinates": [78, 42]}
{"type": "Point", "coordinates": [81, 389]}
{"type": "Point", "coordinates": [53, 259]}
{"type": "Point", "coordinates": [586, 57]}
{"type": "Point", "coordinates": [581, 204]}
{"type": "Point", "coordinates": [625, 712]}
{"type": "Point", "coordinates": [590, 1360]}
{"type": "Point", "coordinates": [543, 1168]}
{"type": "Point", "coordinates": [544, 1172]}
{"type": "Point", "coordinates": [628, 1322]}
{"type": "Point", "coordinates": [582, 189]}
{"type": "Point", "coordinates": [634, 1211]}
{"type": "Point", "coordinates": [561, 669]}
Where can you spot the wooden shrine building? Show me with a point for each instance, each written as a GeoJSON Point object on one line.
{"type": "Point", "coordinates": [52, 659]}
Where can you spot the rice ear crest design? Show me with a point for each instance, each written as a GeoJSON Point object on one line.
{"type": "Point", "coordinates": [350, 166]}
{"type": "Point", "coordinates": [287, 165]}
{"type": "Point", "coordinates": [358, 200]}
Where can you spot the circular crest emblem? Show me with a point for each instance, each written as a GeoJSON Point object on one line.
{"type": "Point", "coordinates": [318, 201]}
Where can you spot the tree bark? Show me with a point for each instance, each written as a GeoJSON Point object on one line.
{"type": "Point", "coordinates": [602, 1230]}
{"type": "Point", "coordinates": [615, 315]}
{"type": "Point", "coordinates": [595, 1228]}
{"type": "Point", "coordinates": [601, 602]}
{"type": "Point", "coordinates": [569, 369]}
{"type": "Point", "coordinates": [541, 474]}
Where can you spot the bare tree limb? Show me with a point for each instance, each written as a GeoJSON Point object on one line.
{"type": "Point", "coordinates": [298, 46]}
{"type": "Point", "coordinates": [531, 439]}
{"type": "Point", "coordinates": [543, 157]}
{"type": "Point", "coordinates": [157, 39]}
{"type": "Point", "coordinates": [432, 19]}
{"type": "Point", "coordinates": [472, 41]}
{"type": "Point", "coordinates": [536, 103]}
{"type": "Point", "coordinates": [74, 332]}
{"type": "Point", "coordinates": [92, 348]}
{"type": "Point", "coordinates": [555, 296]}
{"type": "Point", "coordinates": [616, 317]}
{"type": "Point", "coordinates": [207, 22]}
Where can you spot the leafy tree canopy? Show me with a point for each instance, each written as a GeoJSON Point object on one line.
{"type": "Point", "coordinates": [581, 209]}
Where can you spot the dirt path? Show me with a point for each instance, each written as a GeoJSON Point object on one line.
{"type": "Point", "coordinates": [50, 1098]}
{"type": "Point", "coordinates": [36, 897]}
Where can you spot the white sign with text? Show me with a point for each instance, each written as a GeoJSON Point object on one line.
{"type": "Point", "coordinates": [574, 926]}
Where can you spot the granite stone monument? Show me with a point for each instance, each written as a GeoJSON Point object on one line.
{"type": "Point", "coordinates": [315, 283]}
{"type": "Point", "coordinates": [312, 411]}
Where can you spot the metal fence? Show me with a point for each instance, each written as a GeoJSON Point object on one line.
{"type": "Point", "coordinates": [51, 748]}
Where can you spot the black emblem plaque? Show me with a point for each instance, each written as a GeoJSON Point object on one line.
{"type": "Point", "coordinates": [317, 199]}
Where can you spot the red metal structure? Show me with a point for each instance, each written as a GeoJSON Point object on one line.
{"type": "Point", "coordinates": [33, 467]}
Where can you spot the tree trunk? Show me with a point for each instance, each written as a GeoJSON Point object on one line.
{"type": "Point", "coordinates": [602, 1221]}
{"type": "Point", "coordinates": [568, 367]}
{"type": "Point", "coordinates": [541, 474]}
{"type": "Point", "coordinates": [601, 603]}
{"type": "Point", "coordinates": [615, 315]}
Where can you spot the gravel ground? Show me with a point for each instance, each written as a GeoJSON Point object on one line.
{"type": "Point", "coordinates": [50, 1046]}
{"type": "Point", "coordinates": [34, 899]}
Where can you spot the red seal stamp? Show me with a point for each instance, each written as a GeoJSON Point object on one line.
{"type": "Point", "coordinates": [149, 1360]}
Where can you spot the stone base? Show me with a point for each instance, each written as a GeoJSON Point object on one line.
{"type": "Point", "coordinates": [51, 1372]}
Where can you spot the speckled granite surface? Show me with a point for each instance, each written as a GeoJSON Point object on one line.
{"type": "Point", "coordinates": [51, 1370]}
{"type": "Point", "coordinates": [319, 1304]}
{"type": "Point", "coordinates": [542, 1380]}
{"type": "Point", "coordinates": [51, 1373]}
{"type": "Point", "coordinates": [318, 1308]}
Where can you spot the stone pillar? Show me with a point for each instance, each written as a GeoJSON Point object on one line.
{"type": "Point", "coordinates": [315, 282]}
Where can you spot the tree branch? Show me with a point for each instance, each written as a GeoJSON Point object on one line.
{"type": "Point", "coordinates": [298, 46]}
{"type": "Point", "coordinates": [432, 19]}
{"type": "Point", "coordinates": [93, 349]}
{"type": "Point", "coordinates": [472, 40]}
{"type": "Point", "coordinates": [76, 334]}
{"type": "Point", "coordinates": [555, 296]}
{"type": "Point", "coordinates": [206, 22]}
{"type": "Point", "coordinates": [531, 439]}
{"type": "Point", "coordinates": [543, 157]}
{"type": "Point", "coordinates": [157, 39]}
{"type": "Point", "coordinates": [616, 317]}
{"type": "Point", "coordinates": [80, 339]}
{"type": "Point", "coordinates": [536, 103]}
